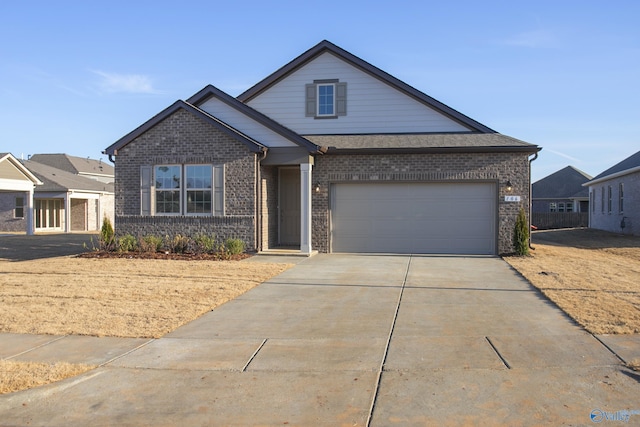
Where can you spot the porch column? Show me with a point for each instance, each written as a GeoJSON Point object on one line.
{"type": "Point", "coordinates": [305, 208]}
{"type": "Point", "coordinates": [29, 208]}
{"type": "Point", "coordinates": [67, 212]}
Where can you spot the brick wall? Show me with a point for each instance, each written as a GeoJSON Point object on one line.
{"type": "Point", "coordinates": [183, 138]}
{"type": "Point", "coordinates": [488, 167]}
{"type": "Point", "coordinates": [7, 206]}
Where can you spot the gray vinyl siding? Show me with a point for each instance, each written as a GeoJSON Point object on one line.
{"type": "Point", "coordinates": [373, 107]}
{"type": "Point", "coordinates": [248, 126]}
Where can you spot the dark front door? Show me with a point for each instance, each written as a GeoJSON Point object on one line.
{"type": "Point", "coordinates": [289, 211]}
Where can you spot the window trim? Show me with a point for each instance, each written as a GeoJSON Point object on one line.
{"type": "Point", "coordinates": [155, 191]}
{"type": "Point", "coordinates": [312, 99]}
{"type": "Point", "coordinates": [609, 199]}
{"type": "Point", "coordinates": [319, 104]}
{"type": "Point", "coordinates": [187, 189]}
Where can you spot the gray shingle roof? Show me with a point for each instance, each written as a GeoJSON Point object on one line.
{"type": "Point", "coordinates": [454, 141]}
{"type": "Point", "coordinates": [630, 162]}
{"type": "Point", "coordinates": [59, 180]}
{"type": "Point", "coordinates": [73, 164]}
{"type": "Point", "coordinates": [563, 184]}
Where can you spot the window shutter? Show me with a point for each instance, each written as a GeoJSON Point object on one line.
{"type": "Point", "coordinates": [341, 99]}
{"type": "Point", "coordinates": [146, 177]}
{"type": "Point", "coordinates": [310, 100]}
{"type": "Point", "coordinates": [218, 190]}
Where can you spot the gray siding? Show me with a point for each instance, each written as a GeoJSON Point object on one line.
{"type": "Point", "coordinates": [610, 221]}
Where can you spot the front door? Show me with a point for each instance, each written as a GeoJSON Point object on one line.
{"type": "Point", "coordinates": [289, 206]}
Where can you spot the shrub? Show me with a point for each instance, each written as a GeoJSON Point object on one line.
{"type": "Point", "coordinates": [204, 243]}
{"type": "Point", "coordinates": [107, 239]}
{"type": "Point", "coordinates": [521, 234]}
{"type": "Point", "coordinates": [179, 244]}
{"type": "Point", "coordinates": [127, 243]}
{"type": "Point", "coordinates": [150, 244]}
{"type": "Point", "coordinates": [234, 246]}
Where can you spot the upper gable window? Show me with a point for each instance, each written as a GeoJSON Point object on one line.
{"type": "Point", "coordinates": [326, 99]}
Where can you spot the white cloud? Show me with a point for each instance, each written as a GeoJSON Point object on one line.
{"type": "Point", "coordinates": [128, 83]}
{"type": "Point", "coordinates": [532, 39]}
{"type": "Point", "coordinates": [566, 156]}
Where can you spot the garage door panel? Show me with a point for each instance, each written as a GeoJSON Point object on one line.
{"type": "Point", "coordinates": [414, 218]}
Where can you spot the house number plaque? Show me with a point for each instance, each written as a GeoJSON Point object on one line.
{"type": "Point", "coordinates": [511, 198]}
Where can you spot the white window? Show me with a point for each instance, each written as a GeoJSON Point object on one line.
{"type": "Point", "coordinates": [553, 207]}
{"type": "Point", "coordinates": [183, 190]}
{"type": "Point", "coordinates": [609, 199]}
{"type": "Point", "coordinates": [326, 100]}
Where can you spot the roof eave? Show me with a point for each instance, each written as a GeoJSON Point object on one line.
{"type": "Point", "coordinates": [253, 145]}
{"type": "Point", "coordinates": [435, 150]}
{"type": "Point", "coordinates": [612, 176]}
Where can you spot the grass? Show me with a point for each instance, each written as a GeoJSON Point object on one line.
{"type": "Point", "coordinates": [16, 376]}
{"type": "Point", "coordinates": [110, 297]}
{"type": "Point", "coordinates": [592, 275]}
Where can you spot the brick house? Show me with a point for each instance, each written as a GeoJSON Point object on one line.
{"type": "Point", "coordinates": [328, 153]}
{"type": "Point", "coordinates": [615, 197]}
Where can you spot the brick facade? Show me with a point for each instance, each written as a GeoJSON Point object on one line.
{"type": "Point", "coordinates": [602, 218]}
{"type": "Point", "coordinates": [487, 167]}
{"type": "Point", "coordinates": [8, 221]}
{"type": "Point", "coordinates": [182, 138]}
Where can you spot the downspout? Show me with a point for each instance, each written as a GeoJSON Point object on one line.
{"type": "Point", "coordinates": [535, 156]}
{"type": "Point", "coordinates": [258, 199]}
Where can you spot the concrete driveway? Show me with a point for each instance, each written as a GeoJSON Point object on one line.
{"type": "Point", "coordinates": [351, 340]}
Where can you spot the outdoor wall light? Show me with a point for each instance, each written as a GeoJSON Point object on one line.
{"type": "Point", "coordinates": [509, 186]}
{"type": "Point", "coordinates": [317, 187]}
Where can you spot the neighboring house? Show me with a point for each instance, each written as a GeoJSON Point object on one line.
{"type": "Point", "coordinates": [17, 185]}
{"type": "Point", "coordinates": [88, 168]}
{"type": "Point", "coordinates": [615, 197]}
{"type": "Point", "coordinates": [562, 191]}
{"type": "Point", "coordinates": [67, 202]}
{"type": "Point", "coordinates": [328, 153]}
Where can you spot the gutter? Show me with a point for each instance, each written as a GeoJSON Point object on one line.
{"type": "Point", "coordinates": [535, 156]}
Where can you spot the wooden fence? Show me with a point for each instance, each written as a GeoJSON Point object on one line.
{"type": "Point", "coordinates": [549, 220]}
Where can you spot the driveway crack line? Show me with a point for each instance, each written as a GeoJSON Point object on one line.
{"type": "Point", "coordinates": [386, 348]}
{"type": "Point", "coordinates": [253, 356]}
{"type": "Point", "coordinates": [610, 349]}
{"type": "Point", "coordinates": [495, 349]}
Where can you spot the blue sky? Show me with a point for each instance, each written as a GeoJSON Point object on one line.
{"type": "Point", "coordinates": [75, 76]}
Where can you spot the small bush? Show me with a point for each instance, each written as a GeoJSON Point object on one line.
{"type": "Point", "coordinates": [107, 239]}
{"type": "Point", "coordinates": [150, 244]}
{"type": "Point", "coordinates": [179, 244]}
{"type": "Point", "coordinates": [234, 246]}
{"type": "Point", "coordinates": [127, 243]}
{"type": "Point", "coordinates": [205, 244]}
{"type": "Point", "coordinates": [521, 234]}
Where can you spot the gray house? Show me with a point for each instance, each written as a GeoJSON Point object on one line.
{"type": "Point", "coordinates": [615, 197]}
{"type": "Point", "coordinates": [328, 153]}
{"type": "Point", "coordinates": [562, 191]}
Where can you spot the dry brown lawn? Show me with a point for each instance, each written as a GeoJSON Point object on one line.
{"type": "Point", "coordinates": [15, 376]}
{"type": "Point", "coordinates": [110, 297]}
{"type": "Point", "coordinates": [119, 297]}
{"type": "Point", "coordinates": [592, 275]}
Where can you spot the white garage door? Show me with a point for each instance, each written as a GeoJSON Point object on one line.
{"type": "Point", "coordinates": [433, 218]}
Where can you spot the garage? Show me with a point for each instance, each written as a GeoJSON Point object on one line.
{"type": "Point", "coordinates": [428, 218]}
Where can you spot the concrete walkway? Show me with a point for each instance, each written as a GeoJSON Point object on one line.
{"type": "Point", "coordinates": [347, 340]}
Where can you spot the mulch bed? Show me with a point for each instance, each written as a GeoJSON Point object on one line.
{"type": "Point", "coordinates": [164, 255]}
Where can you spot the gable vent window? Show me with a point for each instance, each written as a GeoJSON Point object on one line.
{"type": "Point", "coordinates": [326, 99]}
